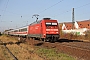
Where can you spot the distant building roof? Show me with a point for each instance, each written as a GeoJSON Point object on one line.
{"type": "Point", "coordinates": [77, 21]}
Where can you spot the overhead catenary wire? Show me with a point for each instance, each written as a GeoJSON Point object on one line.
{"type": "Point", "coordinates": [71, 10]}
{"type": "Point", "coordinates": [5, 8]}
{"type": "Point", "coordinates": [44, 9]}
{"type": "Point", "coordinates": [82, 5]}
{"type": "Point", "coordinates": [39, 13]}
{"type": "Point", "coordinates": [11, 13]}
{"type": "Point", "coordinates": [51, 6]}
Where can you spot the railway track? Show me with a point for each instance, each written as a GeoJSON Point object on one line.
{"type": "Point", "coordinates": [77, 46]}
{"type": "Point", "coordinates": [81, 50]}
{"type": "Point", "coordinates": [15, 58]}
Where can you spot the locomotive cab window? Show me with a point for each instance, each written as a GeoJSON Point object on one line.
{"type": "Point", "coordinates": [54, 23]}
{"type": "Point", "coordinates": [51, 24]}
{"type": "Point", "coordinates": [48, 24]}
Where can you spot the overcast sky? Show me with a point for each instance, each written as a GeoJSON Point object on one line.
{"type": "Point", "coordinates": [18, 13]}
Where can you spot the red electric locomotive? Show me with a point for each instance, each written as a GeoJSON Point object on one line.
{"type": "Point", "coordinates": [46, 29]}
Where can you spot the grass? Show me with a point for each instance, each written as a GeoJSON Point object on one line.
{"type": "Point", "coordinates": [71, 36]}
{"type": "Point", "coordinates": [6, 38]}
{"type": "Point", "coordinates": [4, 54]}
{"type": "Point", "coordinates": [51, 54]}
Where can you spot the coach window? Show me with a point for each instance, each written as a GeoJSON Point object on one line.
{"type": "Point", "coordinates": [19, 30]}
{"type": "Point", "coordinates": [25, 29]}
{"type": "Point", "coordinates": [16, 31]}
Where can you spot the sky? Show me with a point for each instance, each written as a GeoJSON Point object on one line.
{"type": "Point", "coordinates": [18, 13]}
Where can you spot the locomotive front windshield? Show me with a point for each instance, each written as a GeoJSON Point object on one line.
{"type": "Point", "coordinates": [51, 24]}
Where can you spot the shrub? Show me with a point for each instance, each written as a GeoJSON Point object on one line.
{"type": "Point", "coordinates": [76, 36]}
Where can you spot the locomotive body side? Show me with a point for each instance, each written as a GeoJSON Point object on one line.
{"type": "Point", "coordinates": [35, 30]}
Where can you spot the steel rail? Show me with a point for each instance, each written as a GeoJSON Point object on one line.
{"type": "Point", "coordinates": [9, 51]}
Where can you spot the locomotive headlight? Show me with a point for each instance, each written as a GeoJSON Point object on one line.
{"type": "Point", "coordinates": [47, 32]}
{"type": "Point", "coordinates": [44, 35]}
{"type": "Point", "coordinates": [56, 32]}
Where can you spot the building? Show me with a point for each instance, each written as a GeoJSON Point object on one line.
{"type": "Point", "coordinates": [79, 24]}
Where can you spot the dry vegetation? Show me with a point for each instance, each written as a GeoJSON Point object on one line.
{"type": "Point", "coordinates": [24, 51]}
{"type": "Point", "coordinates": [6, 38]}
{"type": "Point", "coordinates": [4, 55]}
{"type": "Point", "coordinates": [71, 36]}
